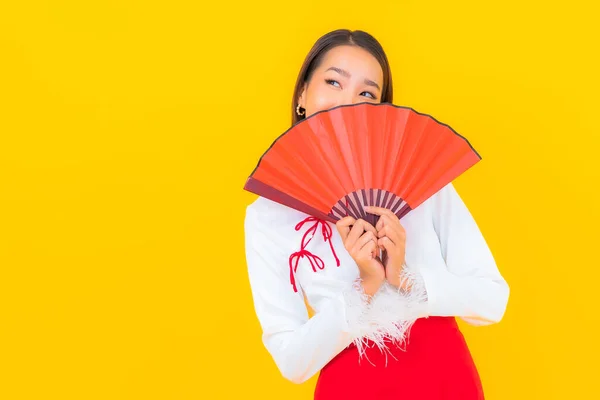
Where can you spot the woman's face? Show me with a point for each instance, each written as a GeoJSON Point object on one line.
{"type": "Point", "coordinates": [347, 75]}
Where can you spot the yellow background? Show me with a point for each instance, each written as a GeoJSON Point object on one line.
{"type": "Point", "coordinates": [128, 128]}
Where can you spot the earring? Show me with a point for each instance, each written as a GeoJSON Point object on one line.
{"type": "Point", "coordinates": [298, 110]}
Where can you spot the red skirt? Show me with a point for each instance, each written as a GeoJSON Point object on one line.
{"type": "Point", "coordinates": [435, 363]}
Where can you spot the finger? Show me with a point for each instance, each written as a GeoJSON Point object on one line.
{"type": "Point", "coordinates": [386, 216]}
{"type": "Point", "coordinates": [394, 252]}
{"type": "Point", "coordinates": [395, 234]}
{"type": "Point", "coordinates": [380, 211]}
{"type": "Point", "coordinates": [389, 247]}
{"type": "Point", "coordinates": [343, 226]}
{"type": "Point", "coordinates": [357, 231]}
{"type": "Point", "coordinates": [369, 228]}
{"type": "Point", "coordinates": [363, 241]}
{"type": "Point", "coordinates": [383, 221]}
{"type": "Point", "coordinates": [392, 221]}
{"type": "Point", "coordinates": [369, 250]}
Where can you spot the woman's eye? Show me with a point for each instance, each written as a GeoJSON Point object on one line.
{"type": "Point", "coordinates": [370, 94]}
{"type": "Point", "coordinates": [330, 81]}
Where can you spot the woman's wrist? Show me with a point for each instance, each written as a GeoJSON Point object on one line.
{"type": "Point", "coordinates": [395, 279]}
{"type": "Point", "coordinates": [371, 284]}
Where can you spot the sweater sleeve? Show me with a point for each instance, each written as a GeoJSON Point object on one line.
{"type": "Point", "coordinates": [300, 346]}
{"type": "Point", "coordinates": [471, 287]}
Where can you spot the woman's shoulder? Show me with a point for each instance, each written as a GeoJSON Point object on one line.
{"type": "Point", "coordinates": [272, 219]}
{"type": "Point", "coordinates": [446, 193]}
{"type": "Point", "coordinates": [269, 211]}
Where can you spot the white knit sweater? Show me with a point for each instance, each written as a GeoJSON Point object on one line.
{"type": "Point", "coordinates": [447, 259]}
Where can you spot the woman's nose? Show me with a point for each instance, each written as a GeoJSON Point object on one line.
{"type": "Point", "coordinates": [349, 99]}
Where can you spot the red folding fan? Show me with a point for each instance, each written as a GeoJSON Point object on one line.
{"type": "Point", "coordinates": [334, 162]}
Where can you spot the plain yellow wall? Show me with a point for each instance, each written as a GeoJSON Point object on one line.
{"type": "Point", "coordinates": [128, 128]}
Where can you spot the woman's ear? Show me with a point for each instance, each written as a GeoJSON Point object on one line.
{"type": "Point", "coordinates": [301, 99]}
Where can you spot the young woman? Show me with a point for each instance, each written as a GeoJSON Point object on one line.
{"type": "Point", "coordinates": [381, 329]}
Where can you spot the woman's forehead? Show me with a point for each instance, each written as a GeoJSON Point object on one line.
{"type": "Point", "coordinates": [354, 60]}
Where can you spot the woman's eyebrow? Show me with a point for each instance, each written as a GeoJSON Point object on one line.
{"type": "Point", "coordinates": [347, 75]}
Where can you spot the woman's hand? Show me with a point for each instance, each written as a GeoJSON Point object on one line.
{"type": "Point", "coordinates": [360, 240]}
{"type": "Point", "coordinates": [391, 237]}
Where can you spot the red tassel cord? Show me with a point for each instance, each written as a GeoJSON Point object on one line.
{"type": "Point", "coordinates": [315, 261]}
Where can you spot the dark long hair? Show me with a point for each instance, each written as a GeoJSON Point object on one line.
{"type": "Point", "coordinates": [337, 38]}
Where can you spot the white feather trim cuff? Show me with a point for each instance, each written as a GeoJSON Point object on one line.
{"type": "Point", "coordinates": [390, 313]}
